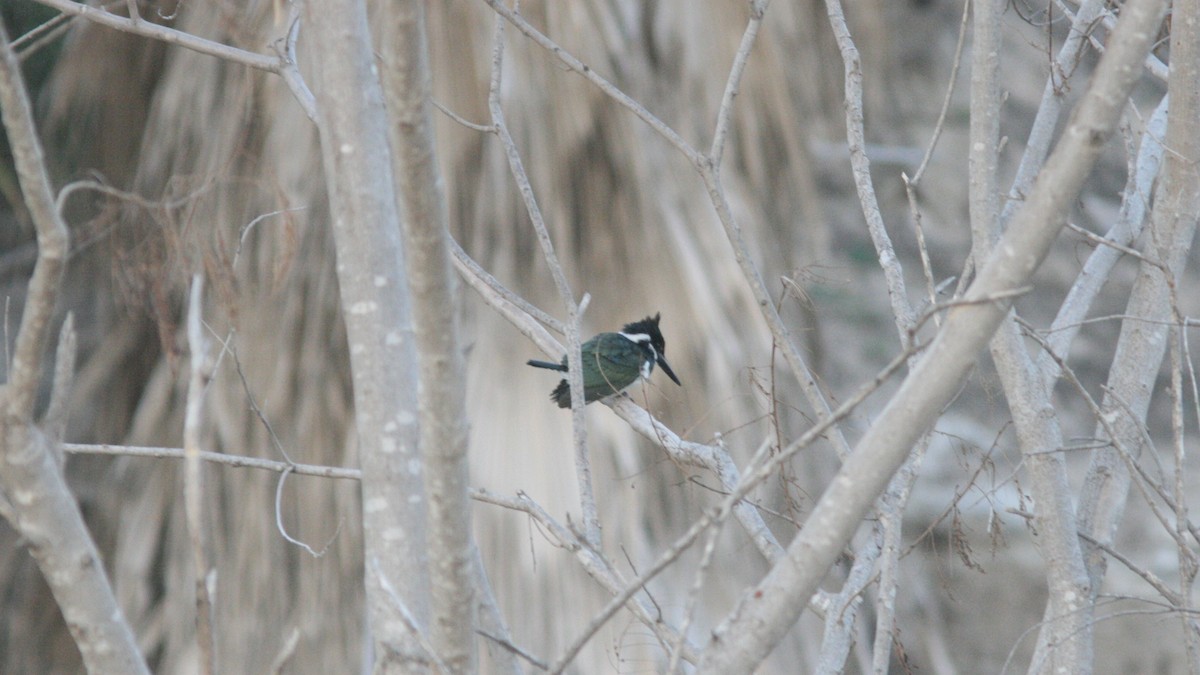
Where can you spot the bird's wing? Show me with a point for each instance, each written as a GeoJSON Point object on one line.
{"type": "Point", "coordinates": [618, 361]}
{"type": "Point", "coordinates": [602, 347]}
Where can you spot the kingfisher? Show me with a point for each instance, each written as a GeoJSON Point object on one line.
{"type": "Point", "coordinates": [613, 362]}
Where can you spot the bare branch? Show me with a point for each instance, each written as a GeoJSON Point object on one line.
{"type": "Point", "coordinates": [496, 293]}
{"type": "Point", "coordinates": [604, 85]}
{"type": "Point", "coordinates": [861, 168]}
{"type": "Point", "coordinates": [583, 467]}
{"type": "Point", "coordinates": [215, 458]}
{"type": "Point", "coordinates": [284, 66]}
{"type": "Point", "coordinates": [442, 377]}
{"type": "Point", "coordinates": [283, 530]}
{"type": "Point", "coordinates": [39, 504]}
{"type": "Point", "coordinates": [598, 568]}
{"type": "Point", "coordinates": [733, 82]}
{"type": "Point", "coordinates": [55, 420]}
{"type": "Point", "coordinates": [1125, 231]}
{"type": "Point", "coordinates": [941, 120]}
{"type": "Point", "coordinates": [491, 621]}
{"type": "Point", "coordinates": [508, 646]}
{"type": "Point", "coordinates": [193, 482]}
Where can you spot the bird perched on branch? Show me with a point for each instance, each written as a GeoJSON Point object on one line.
{"type": "Point", "coordinates": [613, 362]}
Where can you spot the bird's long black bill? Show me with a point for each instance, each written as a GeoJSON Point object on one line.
{"type": "Point", "coordinates": [662, 363]}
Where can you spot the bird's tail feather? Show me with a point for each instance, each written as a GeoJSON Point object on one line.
{"type": "Point", "coordinates": [548, 365]}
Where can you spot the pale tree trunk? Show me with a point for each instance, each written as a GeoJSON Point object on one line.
{"type": "Point", "coordinates": [376, 307]}
{"type": "Point", "coordinates": [406, 81]}
{"type": "Point", "coordinates": [1025, 388]}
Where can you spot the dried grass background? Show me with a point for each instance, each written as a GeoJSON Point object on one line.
{"type": "Point", "coordinates": [215, 146]}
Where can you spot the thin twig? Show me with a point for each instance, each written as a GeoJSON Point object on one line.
{"type": "Point", "coordinates": [487, 129]}
{"type": "Point", "coordinates": [733, 82]}
{"type": "Point", "coordinates": [278, 444]}
{"type": "Point", "coordinates": [236, 461]}
{"type": "Point", "coordinates": [926, 266]}
{"type": "Point", "coordinates": [941, 120]}
{"type": "Point", "coordinates": [664, 560]}
{"type": "Point", "coordinates": [286, 652]}
{"type": "Point", "coordinates": [1149, 577]}
{"type": "Point", "coordinates": [693, 596]}
{"type": "Point", "coordinates": [509, 646]}
{"type": "Point", "coordinates": [598, 568]}
{"type": "Point", "coordinates": [283, 530]}
{"type": "Point", "coordinates": [33, 40]}
{"type": "Point", "coordinates": [102, 16]}
{"type": "Point", "coordinates": [279, 66]}
{"type": "Point", "coordinates": [604, 85]}
{"type": "Point", "coordinates": [583, 467]}
{"type": "Point", "coordinates": [289, 68]}
{"type": "Point", "coordinates": [245, 231]}
{"type": "Point", "coordinates": [55, 421]}
{"type": "Point", "coordinates": [193, 484]}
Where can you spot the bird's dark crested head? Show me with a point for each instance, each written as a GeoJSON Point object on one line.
{"type": "Point", "coordinates": [647, 327]}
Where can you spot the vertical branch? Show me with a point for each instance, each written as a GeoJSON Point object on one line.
{"type": "Point", "coordinates": [861, 167]}
{"type": "Point", "coordinates": [42, 508]}
{"type": "Point", "coordinates": [58, 410]}
{"type": "Point", "coordinates": [1186, 558]}
{"type": "Point", "coordinates": [984, 153]}
{"type": "Point", "coordinates": [52, 240]}
{"type": "Point", "coordinates": [1065, 641]}
{"type": "Point", "coordinates": [193, 473]}
{"type": "Point", "coordinates": [733, 83]}
{"type": "Point", "coordinates": [1100, 263]}
{"type": "Point", "coordinates": [891, 516]}
{"type": "Point", "coordinates": [881, 543]}
{"type": "Point", "coordinates": [583, 465]}
{"type": "Point", "coordinates": [841, 617]}
{"type": "Point", "coordinates": [435, 299]}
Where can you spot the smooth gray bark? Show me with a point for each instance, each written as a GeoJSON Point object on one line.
{"type": "Point", "coordinates": [376, 309]}
{"type": "Point", "coordinates": [435, 307]}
